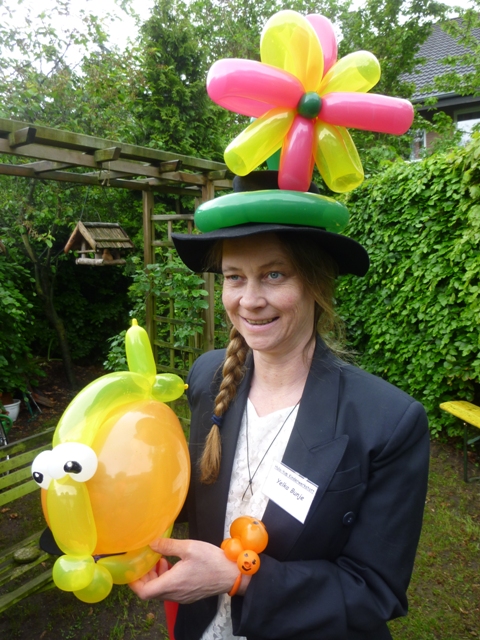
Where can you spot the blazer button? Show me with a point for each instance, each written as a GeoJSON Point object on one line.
{"type": "Point", "coordinates": [349, 519]}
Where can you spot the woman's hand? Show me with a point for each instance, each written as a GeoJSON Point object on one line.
{"type": "Point", "coordinates": [202, 571]}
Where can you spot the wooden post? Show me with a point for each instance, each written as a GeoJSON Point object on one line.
{"type": "Point", "coordinates": [208, 193]}
{"type": "Point", "coordinates": [149, 258]}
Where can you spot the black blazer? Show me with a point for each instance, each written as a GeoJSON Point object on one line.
{"type": "Point", "coordinates": [344, 572]}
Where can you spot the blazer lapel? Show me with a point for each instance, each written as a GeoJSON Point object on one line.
{"type": "Point", "coordinates": [312, 449]}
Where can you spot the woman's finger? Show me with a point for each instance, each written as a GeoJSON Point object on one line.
{"type": "Point", "coordinates": [171, 547]}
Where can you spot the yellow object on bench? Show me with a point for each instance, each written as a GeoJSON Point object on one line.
{"type": "Point", "coordinates": [470, 415]}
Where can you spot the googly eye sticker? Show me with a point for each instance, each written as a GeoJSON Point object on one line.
{"type": "Point", "coordinates": [40, 469]}
{"type": "Point", "coordinates": [75, 459]}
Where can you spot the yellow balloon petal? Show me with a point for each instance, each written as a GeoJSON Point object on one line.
{"type": "Point", "coordinates": [130, 566]}
{"type": "Point", "coordinates": [258, 141]}
{"type": "Point", "coordinates": [289, 42]}
{"type": "Point", "coordinates": [71, 518]}
{"type": "Point", "coordinates": [73, 572]}
{"type": "Point", "coordinates": [359, 72]}
{"type": "Point", "coordinates": [99, 587]}
{"type": "Point", "coordinates": [337, 158]}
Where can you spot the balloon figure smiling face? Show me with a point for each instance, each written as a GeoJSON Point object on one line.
{"type": "Point", "coordinates": [117, 475]}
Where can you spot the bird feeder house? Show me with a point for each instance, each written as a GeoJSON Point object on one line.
{"type": "Point", "coordinates": [99, 244]}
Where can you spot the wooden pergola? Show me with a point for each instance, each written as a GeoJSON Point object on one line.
{"type": "Point", "coordinates": [44, 153]}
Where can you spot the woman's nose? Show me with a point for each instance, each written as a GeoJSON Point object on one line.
{"type": "Point", "coordinates": [253, 296]}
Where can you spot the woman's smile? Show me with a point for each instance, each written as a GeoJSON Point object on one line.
{"type": "Point", "coordinates": [260, 322]}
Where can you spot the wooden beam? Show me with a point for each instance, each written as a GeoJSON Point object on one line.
{"type": "Point", "coordinates": [168, 188]}
{"type": "Point", "coordinates": [16, 170]}
{"type": "Point", "coordinates": [107, 155]}
{"type": "Point", "coordinates": [89, 144]}
{"type": "Point", "coordinates": [218, 175]}
{"type": "Point", "coordinates": [68, 156]}
{"type": "Point", "coordinates": [99, 262]}
{"type": "Point", "coordinates": [25, 171]}
{"type": "Point", "coordinates": [107, 175]}
{"type": "Point", "coordinates": [44, 165]}
{"type": "Point", "coordinates": [21, 137]}
{"type": "Point", "coordinates": [164, 217]}
{"type": "Point", "coordinates": [173, 165]}
{"type": "Point", "coordinates": [134, 168]}
{"type": "Point", "coordinates": [208, 193]}
{"type": "Point", "coordinates": [223, 184]}
{"type": "Point", "coordinates": [149, 258]}
{"type": "Point", "coordinates": [43, 152]}
{"type": "Point", "coordinates": [77, 178]}
{"type": "Point", "coordinates": [181, 176]}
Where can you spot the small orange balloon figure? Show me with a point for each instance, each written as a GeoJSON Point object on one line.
{"type": "Point", "coordinates": [249, 538]}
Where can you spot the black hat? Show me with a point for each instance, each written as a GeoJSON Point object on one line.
{"type": "Point", "coordinates": [258, 206]}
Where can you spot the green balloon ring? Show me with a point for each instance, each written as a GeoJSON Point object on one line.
{"type": "Point", "coordinates": [272, 206]}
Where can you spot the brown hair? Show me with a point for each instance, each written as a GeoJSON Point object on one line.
{"type": "Point", "coordinates": [318, 272]}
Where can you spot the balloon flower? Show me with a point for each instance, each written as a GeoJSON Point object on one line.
{"type": "Point", "coordinates": [117, 475]}
{"type": "Point", "coordinates": [303, 100]}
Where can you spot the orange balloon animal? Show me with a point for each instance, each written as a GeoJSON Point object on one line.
{"type": "Point", "coordinates": [117, 476]}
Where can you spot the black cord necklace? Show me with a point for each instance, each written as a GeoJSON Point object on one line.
{"type": "Point", "coordinates": [250, 476]}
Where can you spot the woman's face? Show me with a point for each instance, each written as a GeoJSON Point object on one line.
{"type": "Point", "coordinates": [264, 297]}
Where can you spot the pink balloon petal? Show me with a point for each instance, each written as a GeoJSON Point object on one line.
{"type": "Point", "coordinates": [296, 164]}
{"type": "Point", "coordinates": [324, 30]}
{"type": "Point", "coordinates": [252, 88]}
{"type": "Point", "coordinates": [368, 111]}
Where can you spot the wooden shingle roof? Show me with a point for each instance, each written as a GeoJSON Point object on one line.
{"type": "Point", "coordinates": [98, 236]}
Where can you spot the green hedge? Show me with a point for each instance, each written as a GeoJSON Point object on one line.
{"type": "Point", "coordinates": [415, 318]}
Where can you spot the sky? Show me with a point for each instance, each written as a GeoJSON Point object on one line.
{"type": "Point", "coordinates": [121, 29]}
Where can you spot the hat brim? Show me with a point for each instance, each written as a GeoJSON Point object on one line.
{"type": "Point", "coordinates": [350, 256]}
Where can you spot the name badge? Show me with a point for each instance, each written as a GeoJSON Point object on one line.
{"type": "Point", "coordinates": [291, 491]}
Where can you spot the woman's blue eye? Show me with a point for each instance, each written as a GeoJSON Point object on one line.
{"type": "Point", "coordinates": [274, 275]}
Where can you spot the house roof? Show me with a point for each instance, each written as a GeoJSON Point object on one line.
{"type": "Point", "coordinates": [98, 235]}
{"type": "Point", "coordinates": [436, 48]}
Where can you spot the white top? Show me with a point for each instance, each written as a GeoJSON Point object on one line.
{"type": "Point", "coordinates": [261, 433]}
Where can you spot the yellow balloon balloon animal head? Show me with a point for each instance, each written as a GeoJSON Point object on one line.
{"type": "Point", "coordinates": [117, 475]}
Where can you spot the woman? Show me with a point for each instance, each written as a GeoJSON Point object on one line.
{"type": "Point", "coordinates": [289, 416]}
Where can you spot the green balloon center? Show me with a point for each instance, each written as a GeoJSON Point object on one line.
{"type": "Point", "coordinates": [309, 105]}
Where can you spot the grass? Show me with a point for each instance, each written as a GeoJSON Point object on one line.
{"type": "Point", "coordinates": [444, 594]}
